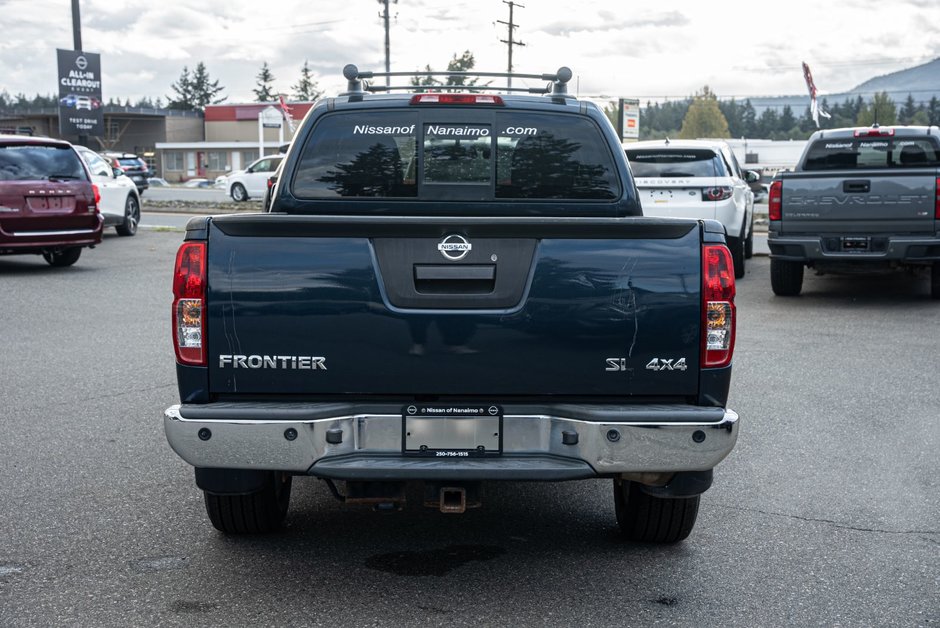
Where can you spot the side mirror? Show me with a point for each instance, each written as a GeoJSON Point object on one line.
{"type": "Point", "coordinates": [751, 176]}
{"type": "Point", "coordinates": [117, 172]}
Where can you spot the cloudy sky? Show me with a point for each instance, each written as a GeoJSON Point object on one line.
{"type": "Point", "coordinates": [618, 48]}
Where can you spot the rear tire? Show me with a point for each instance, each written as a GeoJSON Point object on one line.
{"type": "Point", "coordinates": [131, 217]}
{"type": "Point", "coordinates": [786, 278]}
{"type": "Point", "coordinates": [935, 281]}
{"type": "Point", "coordinates": [649, 519]}
{"type": "Point", "coordinates": [254, 513]}
{"type": "Point", "coordinates": [60, 258]}
{"type": "Point", "coordinates": [737, 256]}
{"type": "Point", "coordinates": [239, 193]}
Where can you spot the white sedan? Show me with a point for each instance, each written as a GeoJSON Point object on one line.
{"type": "Point", "coordinates": [252, 182]}
{"type": "Point", "coordinates": [120, 200]}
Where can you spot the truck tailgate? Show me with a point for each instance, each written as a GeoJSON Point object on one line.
{"type": "Point", "coordinates": [312, 305]}
{"type": "Point", "coordinates": [862, 202]}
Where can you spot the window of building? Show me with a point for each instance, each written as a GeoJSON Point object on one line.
{"type": "Point", "coordinates": [248, 156]}
{"type": "Point", "coordinates": [217, 160]}
{"type": "Point", "coordinates": [174, 161]}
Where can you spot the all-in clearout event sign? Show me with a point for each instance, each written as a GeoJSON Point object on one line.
{"type": "Point", "coordinates": [80, 103]}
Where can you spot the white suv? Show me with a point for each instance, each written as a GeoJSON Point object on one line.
{"type": "Point", "coordinates": [697, 179]}
{"type": "Point", "coordinates": [252, 182]}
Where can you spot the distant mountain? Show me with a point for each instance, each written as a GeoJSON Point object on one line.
{"type": "Point", "coordinates": [918, 81]}
{"type": "Point", "coordinates": [922, 82]}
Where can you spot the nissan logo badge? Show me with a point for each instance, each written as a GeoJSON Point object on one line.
{"type": "Point", "coordinates": [454, 247]}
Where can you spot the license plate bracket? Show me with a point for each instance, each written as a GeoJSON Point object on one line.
{"type": "Point", "coordinates": [452, 431]}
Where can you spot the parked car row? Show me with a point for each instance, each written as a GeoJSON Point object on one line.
{"type": "Point", "coordinates": [56, 198]}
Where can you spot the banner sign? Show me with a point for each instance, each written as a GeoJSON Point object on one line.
{"type": "Point", "coordinates": [629, 119]}
{"type": "Point", "coordinates": [80, 106]}
{"type": "Point", "coordinates": [814, 108]}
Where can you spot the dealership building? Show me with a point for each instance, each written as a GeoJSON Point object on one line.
{"type": "Point", "coordinates": [234, 136]}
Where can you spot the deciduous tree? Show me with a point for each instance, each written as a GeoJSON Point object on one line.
{"type": "Point", "coordinates": [704, 118]}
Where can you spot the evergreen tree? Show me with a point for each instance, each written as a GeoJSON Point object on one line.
{"type": "Point", "coordinates": [704, 118]}
{"type": "Point", "coordinates": [734, 114]}
{"type": "Point", "coordinates": [194, 90]}
{"type": "Point", "coordinates": [306, 88]}
{"type": "Point", "coordinates": [908, 109]}
{"type": "Point", "coordinates": [183, 88]}
{"type": "Point", "coordinates": [787, 121]}
{"type": "Point", "coordinates": [767, 123]}
{"type": "Point", "coordinates": [264, 92]}
{"type": "Point", "coordinates": [463, 63]}
{"type": "Point", "coordinates": [749, 120]}
{"type": "Point", "coordinates": [882, 111]}
{"type": "Point", "coordinates": [205, 91]}
{"type": "Point", "coordinates": [933, 110]}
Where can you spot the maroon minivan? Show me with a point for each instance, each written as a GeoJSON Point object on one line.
{"type": "Point", "coordinates": [48, 204]}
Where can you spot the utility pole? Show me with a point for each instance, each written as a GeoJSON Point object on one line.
{"type": "Point", "coordinates": [76, 26]}
{"type": "Point", "coordinates": [510, 42]}
{"type": "Point", "coordinates": [385, 16]}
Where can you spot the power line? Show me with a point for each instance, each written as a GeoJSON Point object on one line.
{"type": "Point", "coordinates": [385, 17]}
{"type": "Point", "coordinates": [510, 42]}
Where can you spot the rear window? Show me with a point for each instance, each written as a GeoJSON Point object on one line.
{"type": "Point", "coordinates": [132, 162]}
{"type": "Point", "coordinates": [486, 155]}
{"type": "Point", "coordinates": [31, 162]}
{"type": "Point", "coordinates": [874, 152]}
{"type": "Point", "coordinates": [676, 163]}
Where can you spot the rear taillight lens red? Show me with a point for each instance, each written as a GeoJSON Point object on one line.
{"type": "Point", "coordinates": [456, 99]}
{"type": "Point", "coordinates": [936, 207]}
{"type": "Point", "coordinates": [716, 194]}
{"type": "Point", "coordinates": [97, 192]}
{"type": "Point", "coordinates": [775, 201]}
{"type": "Point", "coordinates": [874, 132]}
{"type": "Point", "coordinates": [189, 300]}
{"type": "Point", "coordinates": [718, 314]}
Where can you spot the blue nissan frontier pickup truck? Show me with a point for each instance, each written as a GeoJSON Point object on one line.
{"type": "Point", "coordinates": [452, 288]}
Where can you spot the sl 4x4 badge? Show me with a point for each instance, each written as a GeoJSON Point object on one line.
{"type": "Point", "coordinates": [656, 364]}
{"type": "Point", "coordinates": [661, 364]}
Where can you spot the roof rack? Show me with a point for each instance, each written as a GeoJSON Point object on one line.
{"type": "Point", "coordinates": [557, 82]}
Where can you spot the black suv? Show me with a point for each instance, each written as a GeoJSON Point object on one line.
{"type": "Point", "coordinates": [133, 166]}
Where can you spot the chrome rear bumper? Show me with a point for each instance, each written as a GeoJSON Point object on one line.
{"type": "Point", "coordinates": [535, 446]}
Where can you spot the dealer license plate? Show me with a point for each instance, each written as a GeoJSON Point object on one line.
{"type": "Point", "coordinates": [447, 431]}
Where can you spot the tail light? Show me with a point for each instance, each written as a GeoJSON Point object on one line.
{"type": "Point", "coordinates": [716, 194]}
{"type": "Point", "coordinates": [189, 301]}
{"type": "Point", "coordinates": [97, 193]}
{"type": "Point", "coordinates": [717, 306]}
{"type": "Point", "coordinates": [775, 201]}
{"type": "Point", "coordinates": [874, 132]}
{"type": "Point", "coordinates": [456, 99]}
{"type": "Point", "coordinates": [936, 207]}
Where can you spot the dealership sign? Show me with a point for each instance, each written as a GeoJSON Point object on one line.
{"type": "Point", "coordinates": [629, 119]}
{"type": "Point", "coordinates": [80, 111]}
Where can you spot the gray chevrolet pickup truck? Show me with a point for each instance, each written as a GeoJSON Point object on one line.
{"type": "Point", "coordinates": [860, 200]}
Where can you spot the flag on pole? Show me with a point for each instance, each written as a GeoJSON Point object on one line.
{"type": "Point", "coordinates": [285, 110]}
{"type": "Point", "coordinates": [814, 108]}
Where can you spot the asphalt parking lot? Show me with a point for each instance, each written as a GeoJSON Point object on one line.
{"type": "Point", "coordinates": [826, 513]}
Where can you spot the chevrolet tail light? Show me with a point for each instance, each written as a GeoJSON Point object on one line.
{"type": "Point", "coordinates": [775, 201]}
{"type": "Point", "coordinates": [189, 300]}
{"type": "Point", "coordinates": [718, 313]}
